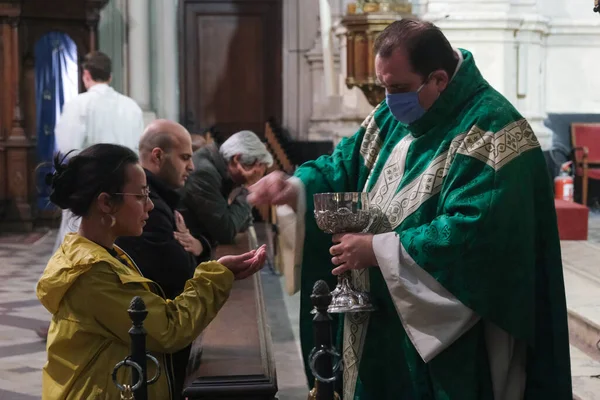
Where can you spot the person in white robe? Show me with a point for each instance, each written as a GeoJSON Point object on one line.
{"type": "Point", "coordinates": [99, 115]}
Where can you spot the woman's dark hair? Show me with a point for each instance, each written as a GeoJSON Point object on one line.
{"type": "Point", "coordinates": [97, 169]}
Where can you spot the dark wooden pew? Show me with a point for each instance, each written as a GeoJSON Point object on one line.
{"type": "Point", "coordinates": [236, 361]}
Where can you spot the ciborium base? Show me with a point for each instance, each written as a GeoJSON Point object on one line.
{"type": "Point", "coordinates": [345, 299]}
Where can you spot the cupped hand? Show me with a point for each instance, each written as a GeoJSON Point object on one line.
{"type": "Point", "coordinates": [245, 265]}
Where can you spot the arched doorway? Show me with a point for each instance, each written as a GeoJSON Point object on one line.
{"type": "Point", "coordinates": [56, 82]}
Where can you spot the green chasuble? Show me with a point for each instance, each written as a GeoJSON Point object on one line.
{"type": "Point", "coordinates": [465, 190]}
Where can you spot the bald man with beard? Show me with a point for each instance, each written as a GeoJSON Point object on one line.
{"type": "Point", "coordinates": [166, 252]}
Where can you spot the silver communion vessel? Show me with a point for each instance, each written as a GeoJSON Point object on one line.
{"type": "Point", "coordinates": [344, 212]}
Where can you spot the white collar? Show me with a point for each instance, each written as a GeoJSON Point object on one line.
{"type": "Point", "coordinates": [99, 87]}
{"type": "Point", "coordinates": [460, 61]}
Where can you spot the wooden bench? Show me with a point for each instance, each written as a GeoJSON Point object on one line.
{"type": "Point", "coordinates": [236, 361]}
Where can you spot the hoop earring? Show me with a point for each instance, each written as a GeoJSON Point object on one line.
{"type": "Point", "coordinates": [113, 220]}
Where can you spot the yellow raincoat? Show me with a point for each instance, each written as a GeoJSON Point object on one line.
{"type": "Point", "coordinates": [88, 292]}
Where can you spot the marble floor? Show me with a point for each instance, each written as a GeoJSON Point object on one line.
{"type": "Point", "coordinates": [22, 353]}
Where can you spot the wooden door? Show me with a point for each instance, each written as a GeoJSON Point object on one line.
{"type": "Point", "coordinates": [230, 64]}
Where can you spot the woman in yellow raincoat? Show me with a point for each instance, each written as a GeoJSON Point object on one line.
{"type": "Point", "coordinates": [89, 282]}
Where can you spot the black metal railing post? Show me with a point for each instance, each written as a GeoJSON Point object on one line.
{"type": "Point", "coordinates": [137, 313]}
{"type": "Point", "coordinates": [138, 388]}
{"type": "Point", "coordinates": [321, 357]}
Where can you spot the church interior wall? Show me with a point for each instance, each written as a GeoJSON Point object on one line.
{"type": "Point", "coordinates": [541, 55]}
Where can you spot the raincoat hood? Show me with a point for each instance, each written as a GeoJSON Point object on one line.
{"type": "Point", "coordinates": [76, 256]}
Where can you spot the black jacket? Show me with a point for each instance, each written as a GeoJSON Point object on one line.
{"type": "Point", "coordinates": [157, 253]}
{"type": "Point", "coordinates": [204, 201]}
{"type": "Point", "coordinates": [161, 258]}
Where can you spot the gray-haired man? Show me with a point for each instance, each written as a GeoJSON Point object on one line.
{"type": "Point", "coordinates": [213, 201]}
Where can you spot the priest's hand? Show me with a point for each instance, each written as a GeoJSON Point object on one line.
{"type": "Point", "coordinates": [273, 189]}
{"type": "Point", "coordinates": [245, 264]}
{"type": "Point", "coordinates": [352, 251]}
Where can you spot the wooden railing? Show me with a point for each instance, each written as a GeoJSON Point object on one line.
{"type": "Point", "coordinates": [236, 358]}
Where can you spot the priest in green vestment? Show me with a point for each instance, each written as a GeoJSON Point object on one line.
{"type": "Point", "coordinates": [463, 262]}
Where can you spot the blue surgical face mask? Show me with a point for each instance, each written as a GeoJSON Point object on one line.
{"type": "Point", "coordinates": [405, 107]}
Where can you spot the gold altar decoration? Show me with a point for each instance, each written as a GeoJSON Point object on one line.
{"type": "Point", "coordinates": [363, 21]}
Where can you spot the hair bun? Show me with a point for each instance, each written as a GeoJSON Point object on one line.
{"type": "Point", "coordinates": [61, 182]}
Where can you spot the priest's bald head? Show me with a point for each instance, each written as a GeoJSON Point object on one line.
{"type": "Point", "coordinates": [166, 151]}
{"type": "Point", "coordinates": [414, 62]}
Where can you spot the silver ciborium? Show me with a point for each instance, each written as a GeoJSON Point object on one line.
{"type": "Point", "coordinates": [344, 212]}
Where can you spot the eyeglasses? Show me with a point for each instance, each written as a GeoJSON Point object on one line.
{"type": "Point", "coordinates": [144, 196]}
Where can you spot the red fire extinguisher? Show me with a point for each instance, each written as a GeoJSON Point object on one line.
{"type": "Point", "coordinates": [563, 183]}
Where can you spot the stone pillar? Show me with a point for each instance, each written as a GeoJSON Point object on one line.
{"type": "Point", "coordinates": [331, 87]}
{"type": "Point", "coordinates": [572, 52]}
{"type": "Point", "coordinates": [300, 26]}
{"type": "Point", "coordinates": [419, 7]}
{"type": "Point", "coordinates": [506, 39]}
{"type": "Point", "coordinates": [164, 49]}
{"type": "Point", "coordinates": [339, 114]}
{"type": "Point", "coordinates": [112, 39]}
{"type": "Point", "coordinates": [531, 73]}
{"type": "Point", "coordinates": [139, 56]}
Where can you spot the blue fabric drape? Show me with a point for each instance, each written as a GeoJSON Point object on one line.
{"type": "Point", "coordinates": [56, 81]}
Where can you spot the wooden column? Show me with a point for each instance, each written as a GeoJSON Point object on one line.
{"type": "Point", "coordinates": [17, 144]}
{"type": "Point", "coordinates": [371, 57]}
{"type": "Point", "coordinates": [92, 18]}
{"type": "Point", "coordinates": [17, 131]}
{"type": "Point", "coordinates": [4, 117]}
{"type": "Point", "coordinates": [350, 58]}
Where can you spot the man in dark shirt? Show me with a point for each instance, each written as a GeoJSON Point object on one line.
{"type": "Point", "coordinates": [166, 252]}
{"type": "Point", "coordinates": [213, 200]}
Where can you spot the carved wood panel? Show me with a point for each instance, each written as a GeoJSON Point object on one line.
{"type": "Point", "coordinates": [230, 62]}
{"type": "Point", "coordinates": [3, 177]}
{"type": "Point", "coordinates": [22, 24]}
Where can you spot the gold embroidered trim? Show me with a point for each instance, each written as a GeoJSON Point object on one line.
{"type": "Point", "coordinates": [371, 143]}
{"type": "Point", "coordinates": [356, 324]}
{"type": "Point", "coordinates": [498, 149]}
{"type": "Point", "coordinates": [370, 117]}
{"type": "Point", "coordinates": [355, 333]}
{"type": "Point", "coordinates": [383, 193]}
{"type": "Point", "coordinates": [406, 201]}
